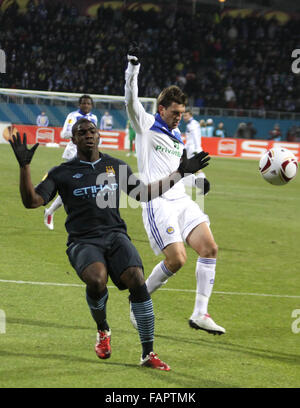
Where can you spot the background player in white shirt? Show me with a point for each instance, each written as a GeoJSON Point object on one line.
{"type": "Point", "coordinates": [193, 146]}
{"type": "Point", "coordinates": [84, 111]}
{"type": "Point", "coordinates": [106, 122]}
{"type": "Point", "coordinates": [173, 218]}
{"type": "Point", "coordinates": [193, 135]}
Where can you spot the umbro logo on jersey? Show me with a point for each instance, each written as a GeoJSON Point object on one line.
{"type": "Point", "coordinates": [77, 175]}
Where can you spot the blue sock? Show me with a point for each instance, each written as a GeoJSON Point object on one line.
{"type": "Point", "coordinates": [142, 309]}
{"type": "Point", "coordinates": [97, 305]}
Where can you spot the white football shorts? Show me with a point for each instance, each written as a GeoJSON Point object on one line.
{"type": "Point", "coordinates": [70, 151]}
{"type": "Point", "coordinates": [170, 221]}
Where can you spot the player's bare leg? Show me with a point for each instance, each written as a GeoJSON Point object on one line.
{"type": "Point", "coordinates": [175, 258]}
{"type": "Point", "coordinates": [202, 241]}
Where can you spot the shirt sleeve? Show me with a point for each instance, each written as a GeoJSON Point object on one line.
{"type": "Point", "coordinates": [47, 188]}
{"type": "Point", "coordinates": [139, 118]}
{"type": "Point", "coordinates": [66, 132]}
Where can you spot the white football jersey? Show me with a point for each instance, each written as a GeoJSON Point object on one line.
{"type": "Point", "coordinates": [158, 148]}
{"type": "Point", "coordinates": [72, 118]}
{"type": "Point", "coordinates": [193, 137]}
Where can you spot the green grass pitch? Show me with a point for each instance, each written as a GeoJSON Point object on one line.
{"type": "Point", "coordinates": [50, 335]}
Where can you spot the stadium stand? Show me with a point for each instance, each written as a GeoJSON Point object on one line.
{"type": "Point", "coordinates": [60, 50]}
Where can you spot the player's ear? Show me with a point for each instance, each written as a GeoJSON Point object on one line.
{"type": "Point", "coordinates": [74, 139]}
{"type": "Point", "coordinates": [160, 109]}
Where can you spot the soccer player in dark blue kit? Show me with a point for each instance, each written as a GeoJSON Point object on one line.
{"type": "Point", "coordinates": [98, 244]}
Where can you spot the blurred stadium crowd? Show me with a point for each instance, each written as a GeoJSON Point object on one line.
{"type": "Point", "coordinates": [227, 63]}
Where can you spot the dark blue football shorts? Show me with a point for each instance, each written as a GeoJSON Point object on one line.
{"type": "Point", "coordinates": [114, 250]}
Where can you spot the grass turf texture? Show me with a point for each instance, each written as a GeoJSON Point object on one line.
{"type": "Point", "coordinates": [50, 334]}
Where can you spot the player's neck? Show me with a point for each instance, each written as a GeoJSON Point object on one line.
{"type": "Point", "coordinates": [88, 156]}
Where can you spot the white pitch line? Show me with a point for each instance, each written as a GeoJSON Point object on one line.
{"type": "Point", "coordinates": [42, 283]}
{"type": "Point", "coordinates": [166, 289]}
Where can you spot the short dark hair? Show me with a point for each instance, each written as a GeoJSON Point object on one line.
{"type": "Point", "coordinates": [172, 94]}
{"type": "Point", "coordinates": [86, 97]}
{"type": "Point", "coordinates": [79, 122]}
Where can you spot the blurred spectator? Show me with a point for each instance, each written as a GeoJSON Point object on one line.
{"type": "Point", "coordinates": [241, 131]}
{"type": "Point", "coordinates": [106, 122]}
{"type": "Point", "coordinates": [220, 130]}
{"type": "Point", "coordinates": [199, 102]}
{"type": "Point", "coordinates": [275, 133]}
{"type": "Point", "coordinates": [293, 134]}
{"type": "Point", "coordinates": [42, 120]}
{"type": "Point", "coordinates": [250, 131]}
{"type": "Point", "coordinates": [230, 97]}
{"type": "Point", "coordinates": [202, 124]}
{"type": "Point", "coordinates": [232, 32]}
{"type": "Point", "coordinates": [210, 128]}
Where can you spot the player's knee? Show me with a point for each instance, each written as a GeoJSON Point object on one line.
{"type": "Point", "coordinates": [177, 261]}
{"type": "Point", "coordinates": [98, 284]}
{"type": "Point", "coordinates": [209, 251]}
{"type": "Point", "coordinates": [95, 279]}
{"type": "Point", "coordinates": [133, 277]}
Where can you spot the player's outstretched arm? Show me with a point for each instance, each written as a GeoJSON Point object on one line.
{"type": "Point", "coordinates": [24, 156]}
{"type": "Point", "coordinates": [139, 118]}
{"type": "Point", "coordinates": [147, 192]}
{"type": "Point", "coordinates": [133, 55]}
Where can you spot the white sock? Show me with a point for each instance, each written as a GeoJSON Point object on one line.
{"type": "Point", "coordinates": [158, 277]}
{"type": "Point", "coordinates": [205, 277]}
{"type": "Point", "coordinates": [55, 205]}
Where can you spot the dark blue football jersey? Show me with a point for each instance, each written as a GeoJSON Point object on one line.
{"type": "Point", "coordinates": [90, 193]}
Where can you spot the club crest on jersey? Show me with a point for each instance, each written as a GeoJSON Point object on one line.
{"type": "Point", "coordinates": [170, 230]}
{"type": "Point", "coordinates": [110, 171]}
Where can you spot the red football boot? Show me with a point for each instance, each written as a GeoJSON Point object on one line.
{"type": "Point", "coordinates": [153, 361]}
{"type": "Point", "coordinates": [102, 346]}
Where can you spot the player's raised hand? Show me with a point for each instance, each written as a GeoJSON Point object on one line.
{"type": "Point", "coordinates": [192, 165]}
{"type": "Point", "coordinates": [134, 53]}
{"type": "Point", "coordinates": [22, 153]}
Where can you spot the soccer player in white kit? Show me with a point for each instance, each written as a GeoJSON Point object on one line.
{"type": "Point", "coordinates": [84, 111]}
{"type": "Point", "coordinates": [193, 146]}
{"type": "Point", "coordinates": [173, 218]}
{"type": "Point", "coordinates": [193, 134]}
